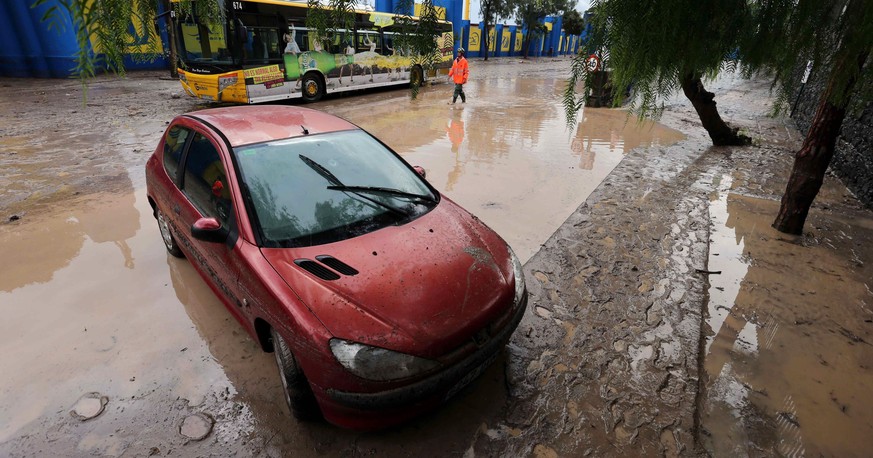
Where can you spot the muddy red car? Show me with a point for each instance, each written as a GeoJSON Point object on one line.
{"type": "Point", "coordinates": [379, 297]}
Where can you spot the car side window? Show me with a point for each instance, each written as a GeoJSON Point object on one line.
{"type": "Point", "coordinates": [173, 146]}
{"type": "Point", "coordinates": [205, 181]}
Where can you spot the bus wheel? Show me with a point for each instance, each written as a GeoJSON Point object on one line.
{"type": "Point", "coordinates": [416, 76]}
{"type": "Point", "coordinates": [313, 88]}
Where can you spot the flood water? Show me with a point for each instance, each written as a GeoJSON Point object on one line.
{"type": "Point", "coordinates": [787, 363]}
{"type": "Point", "coordinates": [93, 304]}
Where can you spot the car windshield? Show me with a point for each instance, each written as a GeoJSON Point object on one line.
{"type": "Point", "coordinates": [325, 188]}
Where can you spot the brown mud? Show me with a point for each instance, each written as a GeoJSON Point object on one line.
{"type": "Point", "coordinates": [688, 326]}
{"type": "Point", "coordinates": [619, 355]}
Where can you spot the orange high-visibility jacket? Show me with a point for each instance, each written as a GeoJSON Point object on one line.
{"type": "Point", "coordinates": [459, 71]}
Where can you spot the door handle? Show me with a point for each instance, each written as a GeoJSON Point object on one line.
{"type": "Point", "coordinates": [177, 209]}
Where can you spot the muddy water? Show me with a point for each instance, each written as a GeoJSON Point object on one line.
{"type": "Point", "coordinates": [93, 304]}
{"type": "Point", "coordinates": [788, 362]}
{"type": "Point", "coordinates": [506, 154]}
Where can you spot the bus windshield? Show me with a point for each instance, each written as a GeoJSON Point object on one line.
{"type": "Point", "coordinates": [203, 44]}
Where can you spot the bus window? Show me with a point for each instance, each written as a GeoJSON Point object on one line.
{"type": "Point", "coordinates": [200, 43]}
{"type": "Point", "coordinates": [342, 40]}
{"type": "Point", "coordinates": [263, 45]}
{"type": "Point", "coordinates": [388, 48]}
{"type": "Point", "coordinates": [369, 41]}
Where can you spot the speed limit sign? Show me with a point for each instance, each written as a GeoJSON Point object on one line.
{"type": "Point", "coordinates": [592, 63]}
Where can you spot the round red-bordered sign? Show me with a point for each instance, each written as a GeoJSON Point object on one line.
{"type": "Point", "coordinates": [592, 63]}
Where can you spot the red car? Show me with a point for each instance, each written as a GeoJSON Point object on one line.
{"type": "Point", "coordinates": [379, 297]}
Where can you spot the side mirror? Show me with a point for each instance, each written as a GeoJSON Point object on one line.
{"type": "Point", "coordinates": [208, 230]}
{"type": "Point", "coordinates": [420, 170]}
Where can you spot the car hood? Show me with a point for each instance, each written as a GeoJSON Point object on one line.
{"type": "Point", "coordinates": [422, 288]}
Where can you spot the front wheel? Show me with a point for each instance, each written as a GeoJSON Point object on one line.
{"type": "Point", "coordinates": [298, 393]}
{"type": "Point", "coordinates": [313, 88]}
{"type": "Point", "coordinates": [169, 240]}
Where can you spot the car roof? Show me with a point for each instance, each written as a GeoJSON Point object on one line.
{"type": "Point", "coordinates": [246, 124]}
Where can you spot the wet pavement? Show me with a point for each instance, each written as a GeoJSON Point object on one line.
{"type": "Point", "coordinates": [111, 347]}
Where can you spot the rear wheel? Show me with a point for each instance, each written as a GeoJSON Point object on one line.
{"type": "Point", "coordinates": [298, 393]}
{"type": "Point", "coordinates": [169, 240]}
{"type": "Point", "coordinates": [312, 86]}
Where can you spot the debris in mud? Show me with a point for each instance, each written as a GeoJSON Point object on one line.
{"type": "Point", "coordinates": [196, 427]}
{"type": "Point", "coordinates": [89, 406]}
{"type": "Point", "coordinates": [708, 272]}
{"type": "Point", "coordinates": [14, 218]}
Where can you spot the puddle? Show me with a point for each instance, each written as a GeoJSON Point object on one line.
{"type": "Point", "coordinates": [506, 155]}
{"type": "Point", "coordinates": [788, 362]}
{"type": "Point", "coordinates": [93, 303]}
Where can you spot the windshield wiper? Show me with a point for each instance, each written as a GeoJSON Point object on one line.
{"type": "Point", "coordinates": [332, 179]}
{"type": "Point", "coordinates": [321, 170]}
{"type": "Point", "coordinates": [381, 190]}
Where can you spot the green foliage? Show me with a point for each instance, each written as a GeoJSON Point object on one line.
{"type": "Point", "coordinates": [491, 11]}
{"type": "Point", "coordinates": [529, 13]}
{"type": "Point", "coordinates": [109, 23]}
{"type": "Point", "coordinates": [327, 17]}
{"type": "Point", "coordinates": [652, 45]}
{"type": "Point", "coordinates": [573, 22]}
{"type": "Point", "coordinates": [834, 35]}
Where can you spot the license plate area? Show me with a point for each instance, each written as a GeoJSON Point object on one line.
{"type": "Point", "coordinates": [470, 376]}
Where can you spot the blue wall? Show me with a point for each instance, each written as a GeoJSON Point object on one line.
{"type": "Point", "coordinates": [36, 48]}
{"type": "Point", "coordinates": [31, 49]}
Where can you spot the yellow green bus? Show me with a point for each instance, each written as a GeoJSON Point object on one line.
{"type": "Point", "coordinates": [263, 51]}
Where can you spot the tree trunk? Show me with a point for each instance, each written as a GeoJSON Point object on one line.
{"type": "Point", "coordinates": [704, 102]}
{"type": "Point", "coordinates": [812, 160]}
{"type": "Point", "coordinates": [484, 40]}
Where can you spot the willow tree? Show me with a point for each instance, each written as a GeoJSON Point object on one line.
{"type": "Point", "coordinates": [837, 36]}
{"type": "Point", "coordinates": [662, 47]}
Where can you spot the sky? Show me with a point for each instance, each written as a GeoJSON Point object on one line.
{"type": "Point", "coordinates": [475, 17]}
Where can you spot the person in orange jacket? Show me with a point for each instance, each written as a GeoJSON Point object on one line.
{"type": "Point", "coordinates": [459, 73]}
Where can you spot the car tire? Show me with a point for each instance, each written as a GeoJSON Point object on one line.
{"type": "Point", "coordinates": [312, 87]}
{"type": "Point", "coordinates": [167, 236]}
{"type": "Point", "coordinates": [298, 393]}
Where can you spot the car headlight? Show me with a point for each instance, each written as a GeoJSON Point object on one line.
{"type": "Point", "coordinates": [518, 273]}
{"type": "Point", "coordinates": [374, 363]}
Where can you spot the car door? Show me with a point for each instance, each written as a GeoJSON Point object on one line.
{"type": "Point", "coordinates": [206, 192]}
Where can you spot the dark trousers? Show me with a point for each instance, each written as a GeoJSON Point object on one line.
{"type": "Point", "coordinates": [459, 90]}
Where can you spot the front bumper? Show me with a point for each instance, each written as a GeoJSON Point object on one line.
{"type": "Point", "coordinates": [438, 387]}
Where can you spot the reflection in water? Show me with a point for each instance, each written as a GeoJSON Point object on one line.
{"type": "Point", "coordinates": [455, 131]}
{"type": "Point", "coordinates": [40, 248]}
{"type": "Point", "coordinates": [506, 154]}
{"type": "Point", "coordinates": [787, 364]}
